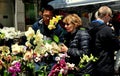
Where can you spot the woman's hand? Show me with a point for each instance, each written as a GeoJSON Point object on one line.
{"type": "Point", "coordinates": [63, 47]}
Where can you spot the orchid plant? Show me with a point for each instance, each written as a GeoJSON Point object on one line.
{"type": "Point", "coordinates": [17, 59]}
{"type": "Point", "coordinates": [54, 21]}
{"type": "Point", "coordinates": [10, 33]}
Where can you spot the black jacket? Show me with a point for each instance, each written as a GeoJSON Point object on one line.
{"type": "Point", "coordinates": [103, 44]}
{"type": "Point", "coordinates": [78, 45]}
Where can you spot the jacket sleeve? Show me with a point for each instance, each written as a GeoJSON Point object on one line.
{"type": "Point", "coordinates": [35, 26]}
{"type": "Point", "coordinates": [80, 44]}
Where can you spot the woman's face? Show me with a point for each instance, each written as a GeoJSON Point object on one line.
{"type": "Point", "coordinates": [70, 27]}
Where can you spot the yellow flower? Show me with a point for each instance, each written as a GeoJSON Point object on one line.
{"type": "Point", "coordinates": [51, 27]}
{"type": "Point", "coordinates": [53, 22]}
{"type": "Point", "coordinates": [28, 55]}
{"type": "Point", "coordinates": [38, 38]}
{"type": "Point", "coordinates": [17, 49]}
{"type": "Point", "coordinates": [30, 33]}
{"type": "Point", "coordinates": [5, 50]}
{"type": "Point", "coordinates": [55, 47]}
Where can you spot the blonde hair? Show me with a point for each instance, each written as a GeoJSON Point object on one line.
{"type": "Point", "coordinates": [96, 14]}
{"type": "Point", "coordinates": [103, 10]}
{"type": "Point", "coordinates": [74, 19]}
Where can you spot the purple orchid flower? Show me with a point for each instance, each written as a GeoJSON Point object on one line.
{"type": "Point", "coordinates": [57, 67]}
{"type": "Point", "coordinates": [15, 68]}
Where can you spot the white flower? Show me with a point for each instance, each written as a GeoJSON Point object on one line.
{"type": "Point", "coordinates": [46, 54]}
{"type": "Point", "coordinates": [63, 55]}
{"type": "Point", "coordinates": [38, 37]}
{"type": "Point", "coordinates": [70, 65]}
{"type": "Point", "coordinates": [48, 46]}
{"type": "Point", "coordinates": [10, 32]}
{"type": "Point", "coordinates": [57, 58]}
{"type": "Point", "coordinates": [40, 49]}
{"type": "Point", "coordinates": [61, 71]}
{"type": "Point", "coordinates": [14, 62]}
{"type": "Point", "coordinates": [55, 47]}
{"type": "Point", "coordinates": [30, 33]}
{"type": "Point", "coordinates": [37, 59]}
{"type": "Point", "coordinates": [17, 49]}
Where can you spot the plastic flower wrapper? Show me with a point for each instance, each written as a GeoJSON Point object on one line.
{"type": "Point", "coordinates": [53, 22]}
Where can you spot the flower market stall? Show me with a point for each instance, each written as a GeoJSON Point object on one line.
{"type": "Point", "coordinates": [19, 57]}
{"type": "Point", "coordinates": [19, 61]}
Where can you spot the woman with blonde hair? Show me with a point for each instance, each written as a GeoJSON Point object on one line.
{"type": "Point", "coordinates": [77, 40]}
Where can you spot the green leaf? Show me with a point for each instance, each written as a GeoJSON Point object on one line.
{"type": "Point", "coordinates": [56, 38]}
{"type": "Point", "coordinates": [47, 41]}
{"type": "Point", "coordinates": [86, 75]}
{"type": "Point", "coordinates": [59, 74]}
{"type": "Point", "coordinates": [6, 73]}
{"type": "Point", "coordinates": [82, 28]}
{"type": "Point", "coordinates": [41, 74]}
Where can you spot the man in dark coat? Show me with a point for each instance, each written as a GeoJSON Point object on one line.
{"type": "Point", "coordinates": [42, 24]}
{"type": "Point", "coordinates": [103, 43]}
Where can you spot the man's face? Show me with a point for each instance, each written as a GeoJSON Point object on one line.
{"type": "Point", "coordinates": [47, 15]}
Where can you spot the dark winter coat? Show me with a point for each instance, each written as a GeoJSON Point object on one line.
{"type": "Point", "coordinates": [78, 45]}
{"type": "Point", "coordinates": [103, 44]}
